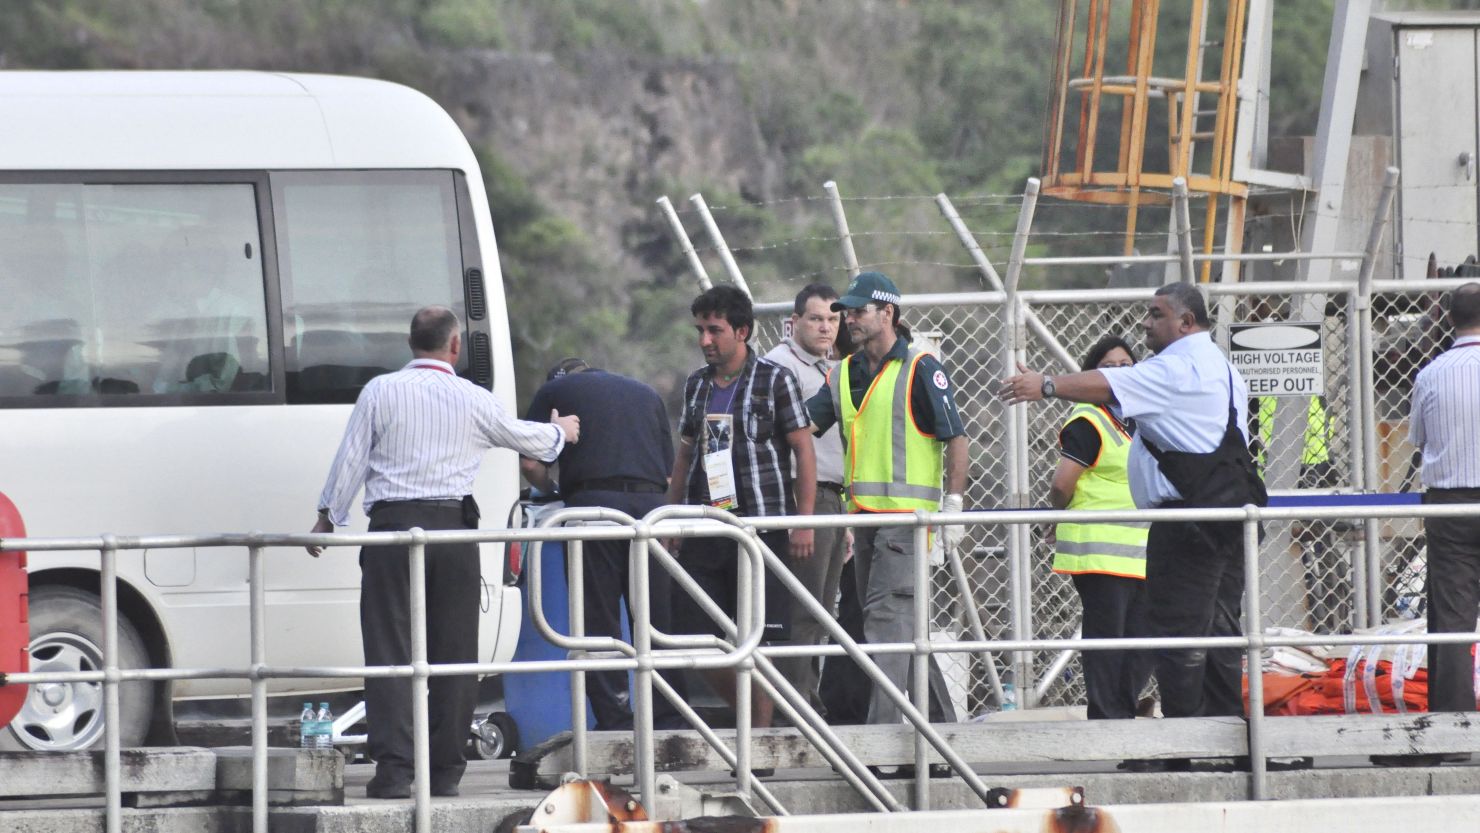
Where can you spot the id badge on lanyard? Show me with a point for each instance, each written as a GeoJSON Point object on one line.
{"type": "Point", "coordinates": [719, 465]}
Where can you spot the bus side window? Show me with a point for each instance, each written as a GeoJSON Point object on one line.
{"type": "Point", "coordinates": [359, 253]}
{"type": "Point", "coordinates": [42, 346]}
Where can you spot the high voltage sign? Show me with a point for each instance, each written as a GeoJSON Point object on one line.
{"type": "Point", "coordinates": [1279, 359]}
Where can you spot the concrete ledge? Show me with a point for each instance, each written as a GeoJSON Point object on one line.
{"type": "Point", "coordinates": [287, 769]}
{"type": "Point", "coordinates": [1040, 743]}
{"type": "Point", "coordinates": [1372, 734]}
{"type": "Point", "coordinates": [175, 777]}
{"type": "Point", "coordinates": [33, 774]}
{"type": "Point", "coordinates": [186, 820]}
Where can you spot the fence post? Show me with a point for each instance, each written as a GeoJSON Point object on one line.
{"type": "Point", "coordinates": [1184, 228]}
{"type": "Point", "coordinates": [920, 659]}
{"type": "Point", "coordinates": [420, 724]}
{"type": "Point", "coordinates": [983, 265]}
{"type": "Point", "coordinates": [840, 220]}
{"type": "Point", "coordinates": [725, 256]}
{"type": "Point", "coordinates": [676, 226]}
{"type": "Point", "coordinates": [1255, 617]}
{"type": "Point", "coordinates": [576, 613]}
{"type": "Point", "coordinates": [639, 589]}
{"type": "Point", "coordinates": [112, 766]}
{"type": "Point", "coordinates": [1018, 539]}
{"type": "Point", "coordinates": [1370, 462]}
{"type": "Point", "coordinates": [257, 613]}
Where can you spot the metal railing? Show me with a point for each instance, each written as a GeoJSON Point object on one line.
{"type": "Point", "coordinates": [652, 650]}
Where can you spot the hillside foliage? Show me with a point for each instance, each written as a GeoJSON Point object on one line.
{"type": "Point", "coordinates": [895, 100]}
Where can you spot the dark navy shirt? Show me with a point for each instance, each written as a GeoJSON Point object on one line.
{"type": "Point", "coordinates": [932, 400]}
{"type": "Point", "coordinates": [624, 428]}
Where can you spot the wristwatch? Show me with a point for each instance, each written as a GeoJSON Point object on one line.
{"type": "Point", "coordinates": [1047, 389]}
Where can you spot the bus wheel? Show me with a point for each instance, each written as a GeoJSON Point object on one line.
{"type": "Point", "coordinates": [67, 635]}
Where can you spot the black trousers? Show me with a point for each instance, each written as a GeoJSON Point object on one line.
{"type": "Point", "coordinates": [605, 567]}
{"type": "Point", "coordinates": [1453, 587]}
{"type": "Point", "coordinates": [1114, 607]}
{"type": "Point", "coordinates": [453, 586]}
{"type": "Point", "coordinates": [1195, 586]}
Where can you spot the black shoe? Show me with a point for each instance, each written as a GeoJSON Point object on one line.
{"type": "Point", "coordinates": [941, 771]}
{"type": "Point", "coordinates": [908, 771]}
{"type": "Point", "coordinates": [445, 780]}
{"type": "Point", "coordinates": [377, 788]}
{"type": "Point", "coordinates": [759, 772]}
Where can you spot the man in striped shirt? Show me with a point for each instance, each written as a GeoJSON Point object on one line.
{"type": "Point", "coordinates": [415, 441]}
{"type": "Point", "coordinates": [1446, 409]}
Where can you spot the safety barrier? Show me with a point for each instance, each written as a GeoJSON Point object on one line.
{"type": "Point", "coordinates": [651, 650]}
{"type": "Point", "coordinates": [1326, 574]}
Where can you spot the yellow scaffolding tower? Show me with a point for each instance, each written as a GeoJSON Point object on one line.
{"type": "Point", "coordinates": [1100, 98]}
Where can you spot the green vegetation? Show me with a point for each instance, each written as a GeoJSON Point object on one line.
{"type": "Point", "coordinates": [896, 100]}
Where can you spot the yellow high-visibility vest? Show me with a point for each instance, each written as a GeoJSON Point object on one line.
{"type": "Point", "coordinates": [890, 465]}
{"type": "Point", "coordinates": [1316, 447]}
{"type": "Point", "coordinates": [1117, 549]}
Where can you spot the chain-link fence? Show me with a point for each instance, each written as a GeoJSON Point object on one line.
{"type": "Point", "coordinates": [1313, 572]}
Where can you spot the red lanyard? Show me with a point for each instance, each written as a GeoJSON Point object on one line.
{"type": "Point", "coordinates": [437, 368]}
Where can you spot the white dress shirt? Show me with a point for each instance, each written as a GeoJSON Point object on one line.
{"type": "Point", "coordinates": [420, 434]}
{"type": "Point", "coordinates": [1179, 400]}
{"type": "Point", "coordinates": [1446, 414]}
{"type": "Point", "coordinates": [811, 372]}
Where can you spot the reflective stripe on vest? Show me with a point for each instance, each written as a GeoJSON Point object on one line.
{"type": "Point", "coordinates": [1115, 548]}
{"type": "Point", "coordinates": [1316, 446]}
{"type": "Point", "coordinates": [891, 465]}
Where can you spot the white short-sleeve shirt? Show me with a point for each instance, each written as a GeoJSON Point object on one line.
{"type": "Point", "coordinates": [1179, 400]}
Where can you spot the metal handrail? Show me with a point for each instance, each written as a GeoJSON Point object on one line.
{"type": "Point", "coordinates": [648, 659]}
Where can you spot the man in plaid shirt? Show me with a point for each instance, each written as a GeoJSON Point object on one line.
{"type": "Point", "coordinates": [743, 417]}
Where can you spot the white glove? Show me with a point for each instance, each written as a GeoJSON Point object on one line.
{"type": "Point", "coordinates": [950, 536]}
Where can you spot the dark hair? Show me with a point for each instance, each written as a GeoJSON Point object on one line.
{"type": "Point", "coordinates": [432, 329]}
{"type": "Point", "coordinates": [1187, 298]}
{"type": "Point", "coordinates": [1464, 306]}
{"type": "Point", "coordinates": [566, 367]}
{"type": "Point", "coordinates": [1102, 348]}
{"type": "Point", "coordinates": [810, 291]}
{"type": "Point", "coordinates": [728, 301]}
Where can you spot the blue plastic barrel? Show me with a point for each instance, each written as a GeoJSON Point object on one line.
{"type": "Point", "coordinates": [539, 702]}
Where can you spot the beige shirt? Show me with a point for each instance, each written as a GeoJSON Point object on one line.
{"type": "Point", "coordinates": [811, 372]}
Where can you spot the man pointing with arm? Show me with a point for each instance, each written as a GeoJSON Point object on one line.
{"type": "Point", "coordinates": [1190, 449]}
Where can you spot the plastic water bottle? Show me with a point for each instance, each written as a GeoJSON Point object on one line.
{"type": "Point", "coordinates": [308, 728]}
{"type": "Point", "coordinates": [325, 734]}
{"type": "Point", "coordinates": [1009, 697]}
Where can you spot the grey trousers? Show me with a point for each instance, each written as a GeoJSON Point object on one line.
{"type": "Point", "coordinates": [885, 571]}
{"type": "Point", "coordinates": [820, 575]}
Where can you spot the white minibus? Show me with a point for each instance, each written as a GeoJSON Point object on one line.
{"type": "Point", "coordinates": [198, 273]}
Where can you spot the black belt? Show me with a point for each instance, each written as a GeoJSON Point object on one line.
{"type": "Point", "coordinates": [616, 484]}
{"type": "Point", "coordinates": [830, 486]}
{"type": "Point", "coordinates": [445, 503]}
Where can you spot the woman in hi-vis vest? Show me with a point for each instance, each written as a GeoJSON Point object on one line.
{"type": "Point", "coordinates": [1106, 561]}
